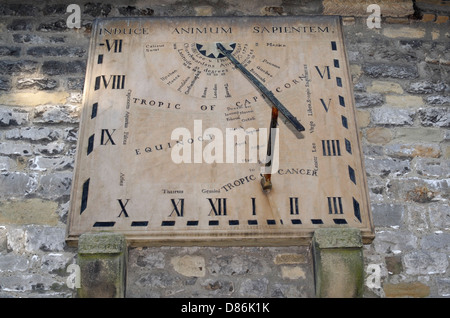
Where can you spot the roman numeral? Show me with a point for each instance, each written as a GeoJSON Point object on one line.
{"type": "Point", "coordinates": [326, 72]}
{"type": "Point", "coordinates": [294, 205]}
{"type": "Point", "coordinates": [326, 106]}
{"type": "Point", "coordinates": [107, 137]}
{"type": "Point", "coordinates": [335, 205]}
{"type": "Point", "coordinates": [122, 206]}
{"type": "Point", "coordinates": [116, 45]}
{"type": "Point", "coordinates": [113, 82]}
{"type": "Point", "coordinates": [331, 148]}
{"type": "Point", "coordinates": [219, 206]}
{"type": "Point", "coordinates": [178, 207]}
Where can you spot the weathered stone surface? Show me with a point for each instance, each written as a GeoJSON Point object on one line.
{"type": "Point", "coordinates": [33, 99]}
{"type": "Point", "coordinates": [9, 51]}
{"type": "Point", "coordinates": [292, 272]}
{"type": "Point", "coordinates": [391, 71]}
{"type": "Point", "coordinates": [37, 39]}
{"type": "Point", "coordinates": [12, 117]}
{"type": "Point", "coordinates": [415, 289]}
{"type": "Point", "coordinates": [33, 134]}
{"type": "Point", "coordinates": [254, 288]}
{"type": "Point", "coordinates": [237, 265]}
{"type": "Point", "coordinates": [191, 266]}
{"type": "Point", "coordinates": [5, 84]}
{"type": "Point", "coordinates": [379, 135]}
{"type": "Point", "coordinates": [7, 164]}
{"type": "Point", "coordinates": [404, 32]}
{"type": "Point", "coordinates": [15, 184]}
{"type": "Point", "coordinates": [101, 243]}
{"type": "Point", "coordinates": [424, 262]}
{"type": "Point", "coordinates": [404, 100]}
{"type": "Point", "coordinates": [435, 116]}
{"type": "Point", "coordinates": [385, 87]}
{"type": "Point", "coordinates": [388, 8]}
{"type": "Point", "coordinates": [52, 148]}
{"type": "Point", "coordinates": [437, 241]}
{"type": "Point", "coordinates": [32, 211]}
{"type": "Point", "coordinates": [365, 99]}
{"type": "Point", "coordinates": [443, 285]}
{"type": "Point", "coordinates": [394, 264]}
{"type": "Point", "coordinates": [40, 51]}
{"type": "Point", "coordinates": [14, 9]}
{"type": "Point", "coordinates": [37, 83]}
{"type": "Point", "coordinates": [426, 87]}
{"type": "Point", "coordinates": [41, 163]}
{"type": "Point", "coordinates": [432, 167]}
{"type": "Point", "coordinates": [58, 25]}
{"type": "Point", "coordinates": [338, 262]}
{"type": "Point", "coordinates": [45, 238]}
{"type": "Point", "coordinates": [405, 151]}
{"type": "Point", "coordinates": [392, 116]}
{"type": "Point", "coordinates": [219, 287]}
{"type": "Point", "coordinates": [387, 214]}
{"type": "Point", "coordinates": [13, 263]}
{"type": "Point", "coordinates": [61, 68]}
{"type": "Point", "coordinates": [102, 258]}
{"type": "Point", "coordinates": [285, 259]}
{"type": "Point", "coordinates": [55, 185]}
{"type": "Point", "coordinates": [15, 67]}
{"type": "Point", "coordinates": [20, 25]}
{"type": "Point", "coordinates": [438, 100]}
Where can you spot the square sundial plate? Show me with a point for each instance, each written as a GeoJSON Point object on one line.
{"type": "Point", "coordinates": [161, 104]}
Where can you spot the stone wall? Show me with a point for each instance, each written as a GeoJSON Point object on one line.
{"type": "Point", "coordinates": [401, 84]}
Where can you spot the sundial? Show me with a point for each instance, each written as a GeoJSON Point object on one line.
{"type": "Point", "coordinates": [218, 131]}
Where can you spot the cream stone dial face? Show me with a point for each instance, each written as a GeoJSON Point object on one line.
{"type": "Point", "coordinates": [173, 136]}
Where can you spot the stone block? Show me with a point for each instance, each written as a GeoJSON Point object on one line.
{"type": "Point", "coordinates": [387, 214]}
{"type": "Point", "coordinates": [33, 99]}
{"type": "Point", "coordinates": [5, 84]}
{"type": "Point", "coordinates": [426, 87]}
{"type": "Point", "coordinates": [44, 238]}
{"type": "Point", "coordinates": [44, 51]}
{"type": "Point", "coordinates": [20, 25]}
{"type": "Point", "coordinates": [404, 32]}
{"type": "Point", "coordinates": [379, 135]}
{"type": "Point", "coordinates": [404, 101]}
{"type": "Point", "coordinates": [32, 211]}
{"type": "Point", "coordinates": [16, 185]}
{"type": "Point", "coordinates": [438, 100]}
{"type": "Point", "coordinates": [412, 150]}
{"type": "Point", "coordinates": [415, 289]}
{"type": "Point", "coordinates": [391, 71]}
{"type": "Point", "coordinates": [55, 26]}
{"type": "Point", "coordinates": [37, 83]}
{"type": "Point", "coordinates": [392, 116]}
{"type": "Point", "coordinates": [254, 287]}
{"type": "Point", "coordinates": [441, 19]}
{"type": "Point", "coordinates": [338, 262]}
{"type": "Point", "coordinates": [61, 68]}
{"type": "Point", "coordinates": [368, 99]}
{"type": "Point", "coordinates": [18, 9]}
{"type": "Point", "coordinates": [102, 258]}
{"type": "Point", "coordinates": [425, 263]}
{"type": "Point", "coordinates": [385, 87]}
{"type": "Point", "coordinates": [11, 117]}
{"type": "Point", "coordinates": [18, 67]}
{"type": "Point", "coordinates": [188, 265]}
{"type": "Point", "coordinates": [55, 185]}
{"type": "Point", "coordinates": [401, 8]}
